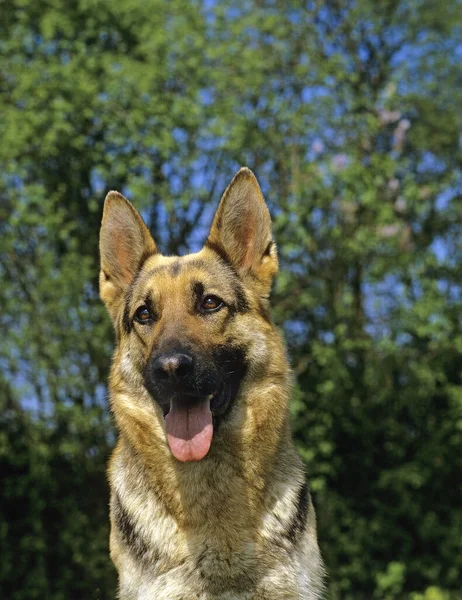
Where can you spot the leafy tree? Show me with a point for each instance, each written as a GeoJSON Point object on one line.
{"type": "Point", "coordinates": [349, 114]}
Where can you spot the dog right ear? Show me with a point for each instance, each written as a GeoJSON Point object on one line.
{"type": "Point", "coordinates": [241, 231]}
{"type": "Point", "coordinates": [125, 243]}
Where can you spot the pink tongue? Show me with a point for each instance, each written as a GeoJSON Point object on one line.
{"type": "Point", "coordinates": [189, 430]}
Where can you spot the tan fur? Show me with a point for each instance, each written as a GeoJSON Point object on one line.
{"type": "Point", "coordinates": [236, 524]}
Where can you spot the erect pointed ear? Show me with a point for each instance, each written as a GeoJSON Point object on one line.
{"type": "Point", "coordinates": [241, 230]}
{"type": "Point", "coordinates": [125, 243]}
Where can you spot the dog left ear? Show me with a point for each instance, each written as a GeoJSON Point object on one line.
{"type": "Point", "coordinates": [241, 230]}
{"type": "Point", "coordinates": [125, 243]}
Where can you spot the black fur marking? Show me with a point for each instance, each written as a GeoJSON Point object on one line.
{"type": "Point", "coordinates": [126, 321]}
{"type": "Point", "coordinates": [242, 305]}
{"type": "Point", "coordinates": [232, 363]}
{"type": "Point", "coordinates": [127, 528]}
{"type": "Point", "coordinates": [219, 251]}
{"type": "Point", "coordinates": [298, 524]}
{"type": "Point", "coordinates": [175, 268]}
{"type": "Point", "coordinates": [143, 259]}
{"type": "Point", "coordinates": [199, 562]}
{"type": "Point", "coordinates": [198, 290]}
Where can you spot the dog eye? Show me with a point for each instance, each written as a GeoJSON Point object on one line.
{"type": "Point", "coordinates": [143, 314]}
{"type": "Point", "coordinates": [211, 303]}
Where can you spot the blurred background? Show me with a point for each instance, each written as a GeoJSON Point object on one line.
{"type": "Point", "coordinates": [349, 112]}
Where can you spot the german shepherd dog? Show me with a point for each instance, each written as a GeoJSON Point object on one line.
{"type": "Point", "coordinates": [209, 498]}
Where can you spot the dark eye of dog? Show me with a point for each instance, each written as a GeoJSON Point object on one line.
{"type": "Point", "coordinates": [143, 314]}
{"type": "Point", "coordinates": [211, 303]}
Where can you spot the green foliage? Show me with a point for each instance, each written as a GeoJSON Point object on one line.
{"type": "Point", "coordinates": [54, 507]}
{"type": "Point", "coordinates": [432, 593]}
{"type": "Point", "coordinates": [349, 113]}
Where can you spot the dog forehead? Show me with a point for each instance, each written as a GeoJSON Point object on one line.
{"type": "Point", "coordinates": [169, 273]}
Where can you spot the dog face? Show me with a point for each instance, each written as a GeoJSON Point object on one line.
{"type": "Point", "coordinates": [192, 330]}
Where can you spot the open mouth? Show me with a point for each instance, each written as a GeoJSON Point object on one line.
{"type": "Point", "coordinates": [189, 424]}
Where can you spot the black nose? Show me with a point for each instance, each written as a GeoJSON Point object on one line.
{"type": "Point", "coordinates": [169, 366]}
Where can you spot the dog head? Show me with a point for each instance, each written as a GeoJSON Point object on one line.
{"type": "Point", "coordinates": [192, 331]}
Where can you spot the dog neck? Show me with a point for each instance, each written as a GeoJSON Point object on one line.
{"type": "Point", "coordinates": [246, 446]}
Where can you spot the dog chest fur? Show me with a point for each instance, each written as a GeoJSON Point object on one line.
{"type": "Point", "coordinates": [220, 546]}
